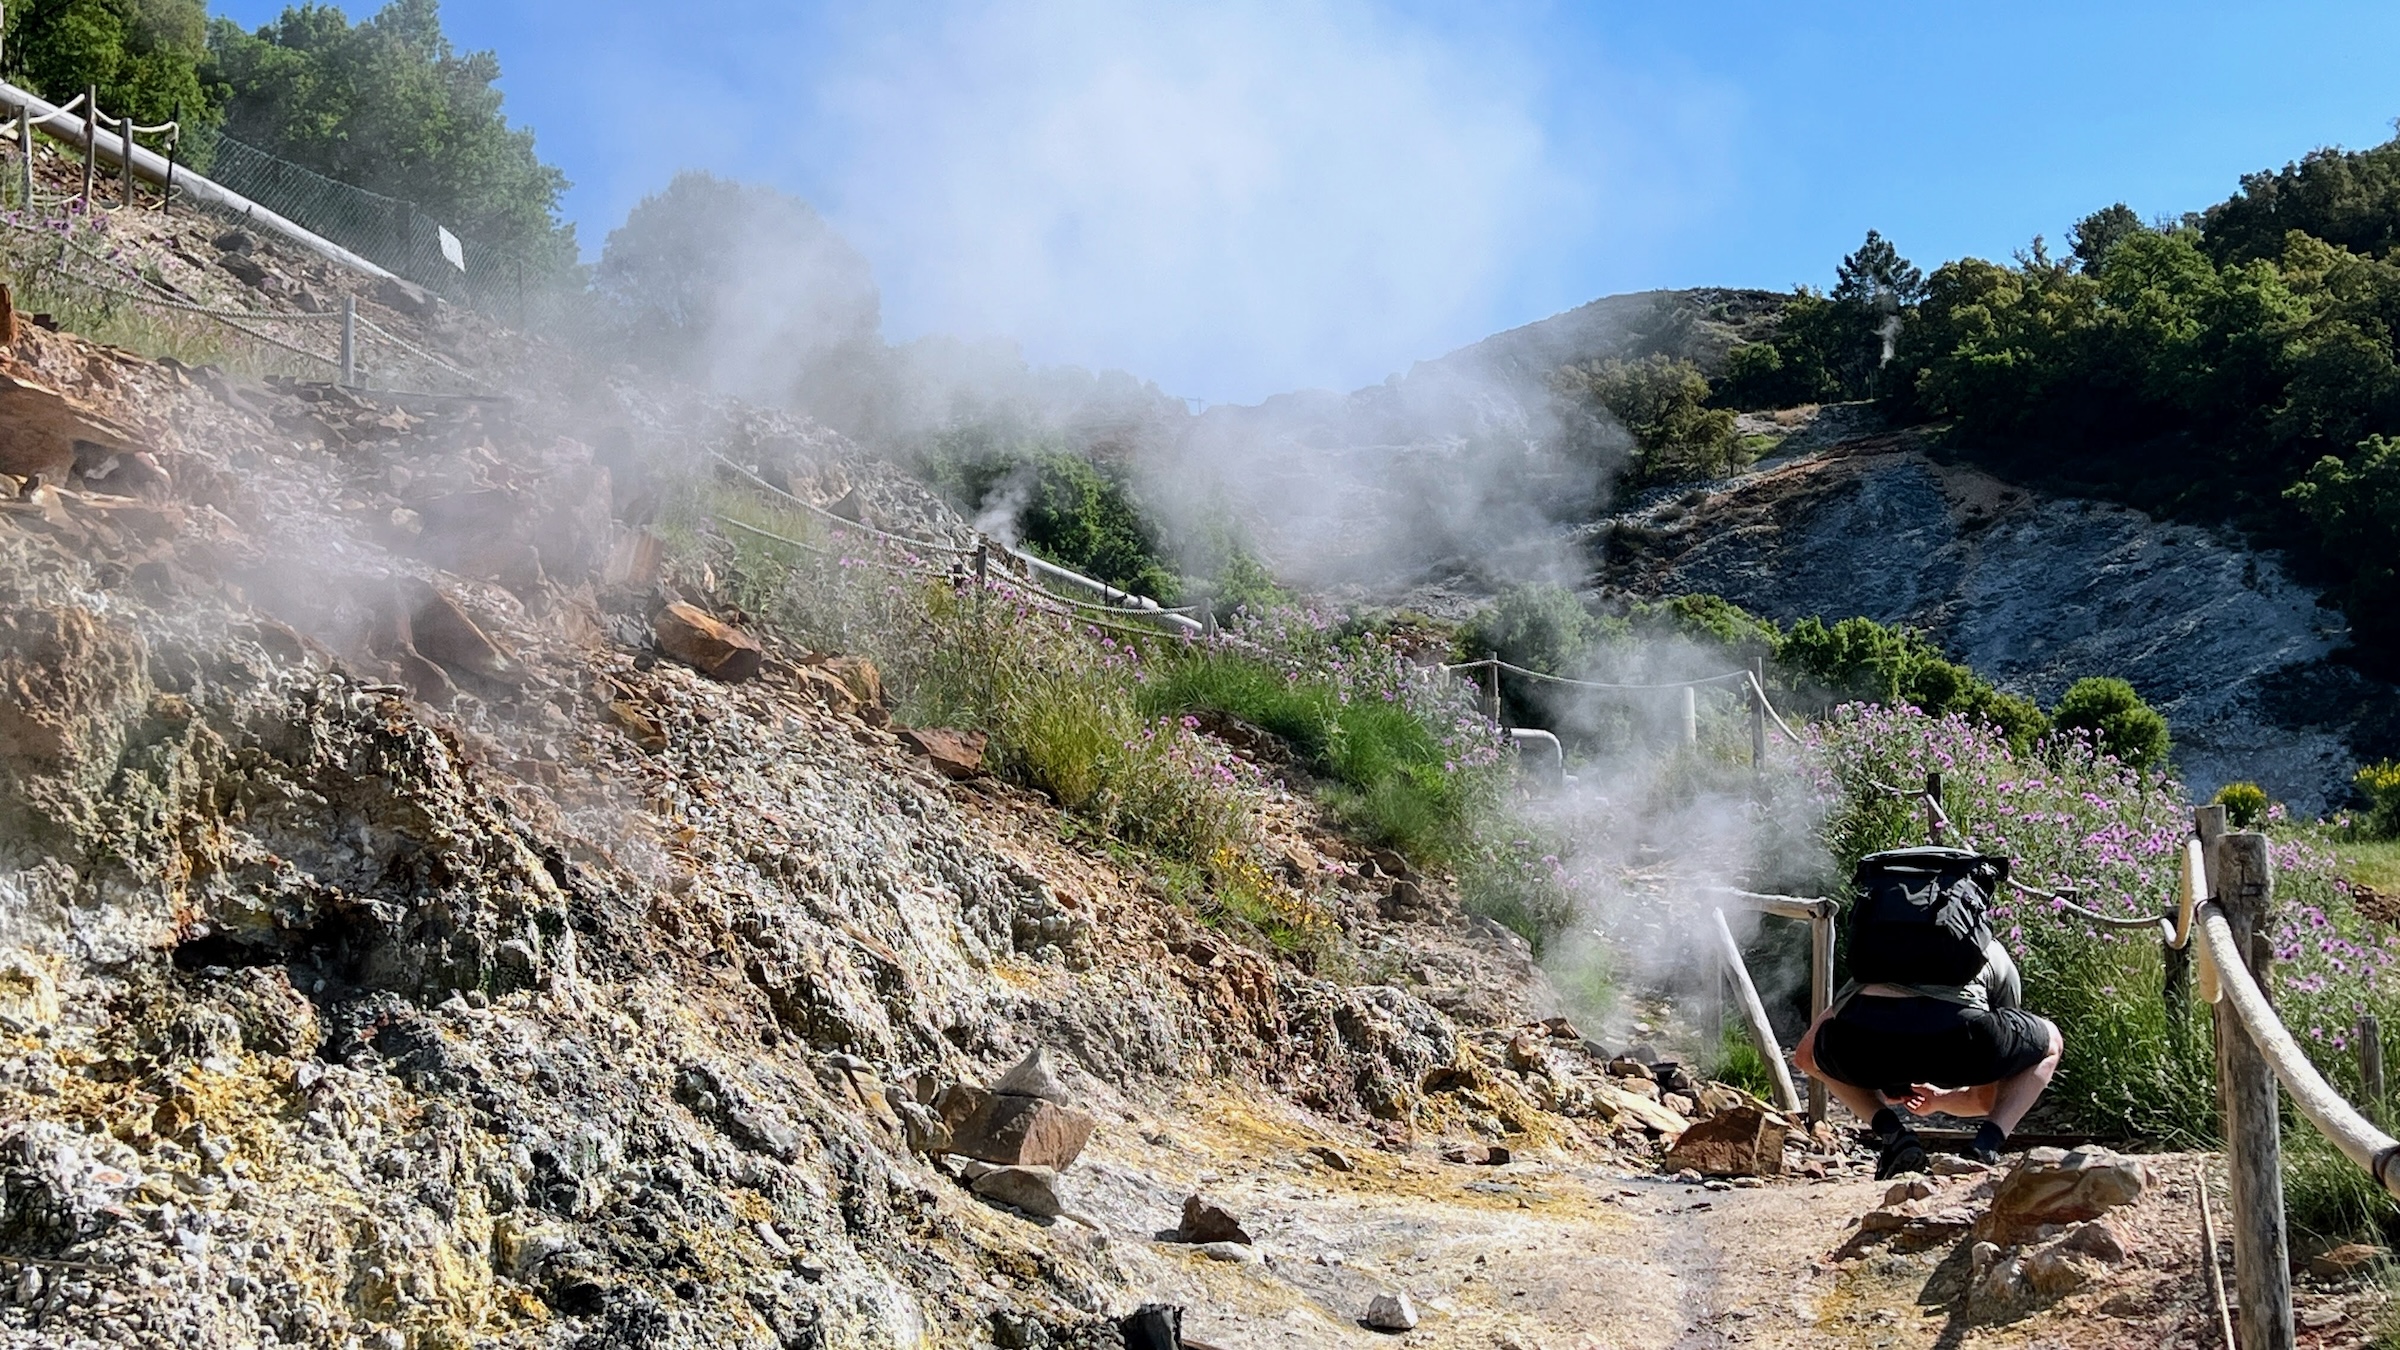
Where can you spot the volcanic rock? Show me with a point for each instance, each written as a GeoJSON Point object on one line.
{"type": "Point", "coordinates": [2347, 1260]}
{"type": "Point", "coordinates": [1332, 1157]}
{"type": "Point", "coordinates": [1031, 1189]}
{"type": "Point", "coordinates": [1390, 1312]}
{"type": "Point", "coordinates": [443, 634]}
{"type": "Point", "coordinates": [2051, 1187]}
{"type": "Point", "coordinates": [1010, 1130]}
{"type": "Point", "coordinates": [956, 754]}
{"type": "Point", "coordinates": [1205, 1222]}
{"type": "Point", "coordinates": [717, 650]}
{"type": "Point", "coordinates": [1033, 1077]}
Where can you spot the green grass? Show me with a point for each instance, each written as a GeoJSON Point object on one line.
{"type": "Point", "coordinates": [2370, 862]}
{"type": "Point", "coordinates": [1393, 781]}
{"type": "Point", "coordinates": [1737, 1063]}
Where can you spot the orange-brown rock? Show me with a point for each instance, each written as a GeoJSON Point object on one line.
{"type": "Point", "coordinates": [859, 676]}
{"type": "Point", "coordinates": [997, 1127]}
{"type": "Point", "coordinates": [1741, 1142]}
{"type": "Point", "coordinates": [717, 650]}
{"type": "Point", "coordinates": [41, 431]}
{"type": "Point", "coordinates": [956, 754]}
{"type": "Point", "coordinates": [2053, 1188]}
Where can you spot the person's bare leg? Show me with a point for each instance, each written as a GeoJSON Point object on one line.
{"type": "Point", "coordinates": [2016, 1096]}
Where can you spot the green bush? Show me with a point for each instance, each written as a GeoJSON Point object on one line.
{"type": "Point", "coordinates": [1066, 508]}
{"type": "Point", "coordinates": [2245, 804]}
{"type": "Point", "coordinates": [1861, 659]}
{"type": "Point", "coordinates": [2116, 718]}
{"type": "Point", "coordinates": [1401, 772]}
{"type": "Point", "coordinates": [2379, 783]}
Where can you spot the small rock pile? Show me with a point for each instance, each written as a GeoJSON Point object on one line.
{"type": "Point", "coordinates": [2040, 1229]}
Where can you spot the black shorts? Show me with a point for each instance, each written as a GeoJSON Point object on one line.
{"type": "Point", "coordinates": [1889, 1044]}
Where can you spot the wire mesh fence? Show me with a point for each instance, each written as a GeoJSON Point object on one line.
{"type": "Point", "coordinates": [388, 231]}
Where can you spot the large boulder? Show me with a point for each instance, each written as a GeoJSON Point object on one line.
{"type": "Point", "coordinates": [2051, 1189]}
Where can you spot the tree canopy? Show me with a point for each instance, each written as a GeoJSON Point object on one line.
{"type": "Point", "coordinates": [148, 57]}
{"type": "Point", "coordinates": [389, 105]}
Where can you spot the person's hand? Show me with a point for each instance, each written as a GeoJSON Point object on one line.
{"type": "Point", "coordinates": [1913, 1101]}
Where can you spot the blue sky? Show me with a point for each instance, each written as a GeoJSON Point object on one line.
{"type": "Point", "coordinates": [1238, 198]}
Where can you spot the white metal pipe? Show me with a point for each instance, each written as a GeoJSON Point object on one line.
{"type": "Point", "coordinates": [151, 165]}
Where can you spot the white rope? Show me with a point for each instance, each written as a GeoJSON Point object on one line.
{"type": "Point", "coordinates": [2356, 1136]}
{"type": "Point", "coordinates": [1490, 662]}
{"type": "Point", "coordinates": [422, 354]}
{"type": "Point", "coordinates": [1780, 725]}
{"type": "Point", "coordinates": [842, 522]}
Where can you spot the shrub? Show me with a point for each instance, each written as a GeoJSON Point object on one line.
{"type": "Point", "coordinates": [2379, 783]}
{"type": "Point", "coordinates": [1062, 505]}
{"type": "Point", "coordinates": [1861, 659]}
{"type": "Point", "coordinates": [1521, 883]}
{"type": "Point", "coordinates": [2245, 803]}
{"type": "Point", "coordinates": [2120, 723]}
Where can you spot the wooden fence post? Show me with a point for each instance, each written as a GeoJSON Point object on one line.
{"type": "Point", "coordinates": [2370, 1066]}
{"type": "Point", "coordinates": [1762, 1031]}
{"type": "Point", "coordinates": [125, 154]}
{"type": "Point", "coordinates": [1933, 808]}
{"type": "Point", "coordinates": [1491, 678]}
{"type": "Point", "coordinates": [25, 150]}
{"type": "Point", "coordinates": [2244, 885]}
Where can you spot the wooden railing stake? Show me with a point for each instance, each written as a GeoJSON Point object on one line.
{"type": "Point", "coordinates": [2370, 1066]}
{"type": "Point", "coordinates": [2244, 884]}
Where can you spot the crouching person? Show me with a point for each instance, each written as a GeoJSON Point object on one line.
{"type": "Point", "coordinates": [1930, 1019]}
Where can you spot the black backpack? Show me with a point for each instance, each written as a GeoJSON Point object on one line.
{"type": "Point", "coordinates": [1919, 915]}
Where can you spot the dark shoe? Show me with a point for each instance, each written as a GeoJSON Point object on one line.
{"type": "Point", "coordinates": [1903, 1152]}
{"type": "Point", "coordinates": [1986, 1145]}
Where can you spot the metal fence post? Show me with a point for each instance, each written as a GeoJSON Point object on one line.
{"type": "Point", "coordinates": [1691, 715]}
{"type": "Point", "coordinates": [125, 154]}
{"type": "Point", "coordinates": [91, 141]}
{"type": "Point", "coordinates": [2262, 1273]}
{"type": "Point", "coordinates": [1820, 997]}
{"type": "Point", "coordinates": [166, 194]}
{"type": "Point", "coordinates": [349, 341]}
{"type": "Point", "coordinates": [1758, 713]}
{"type": "Point", "coordinates": [25, 153]}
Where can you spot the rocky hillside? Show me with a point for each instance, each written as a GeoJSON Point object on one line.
{"type": "Point", "coordinates": [400, 947]}
{"type": "Point", "coordinates": [2033, 591]}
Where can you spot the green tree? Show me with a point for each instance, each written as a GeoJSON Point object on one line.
{"type": "Point", "coordinates": [1877, 277]}
{"type": "Point", "coordinates": [146, 56]}
{"type": "Point", "coordinates": [2355, 505]}
{"type": "Point", "coordinates": [1662, 403]}
{"type": "Point", "coordinates": [2116, 718]}
{"type": "Point", "coordinates": [391, 106]}
{"type": "Point", "coordinates": [2102, 230]}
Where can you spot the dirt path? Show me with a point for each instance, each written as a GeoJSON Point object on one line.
{"type": "Point", "coordinates": [1553, 1253]}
